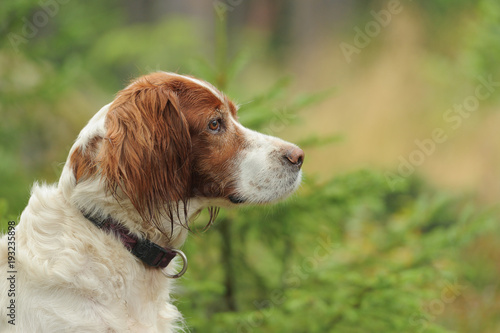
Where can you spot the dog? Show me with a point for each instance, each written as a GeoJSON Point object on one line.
{"type": "Point", "coordinates": [98, 251]}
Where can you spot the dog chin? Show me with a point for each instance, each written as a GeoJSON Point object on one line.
{"type": "Point", "coordinates": [261, 199]}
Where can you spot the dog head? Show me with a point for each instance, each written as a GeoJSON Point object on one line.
{"type": "Point", "coordinates": [167, 139]}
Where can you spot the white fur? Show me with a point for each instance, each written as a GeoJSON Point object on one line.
{"type": "Point", "coordinates": [263, 175]}
{"type": "Point", "coordinates": [72, 277]}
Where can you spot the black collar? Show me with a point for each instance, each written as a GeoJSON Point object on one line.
{"type": "Point", "coordinates": [150, 253]}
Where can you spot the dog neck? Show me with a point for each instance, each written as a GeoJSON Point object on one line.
{"type": "Point", "coordinates": [148, 252]}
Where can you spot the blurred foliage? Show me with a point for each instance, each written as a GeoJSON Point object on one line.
{"type": "Point", "coordinates": [349, 255]}
{"type": "Point", "coordinates": [461, 36]}
{"type": "Point", "coordinates": [346, 255]}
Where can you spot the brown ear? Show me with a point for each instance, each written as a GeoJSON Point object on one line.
{"type": "Point", "coordinates": [146, 150]}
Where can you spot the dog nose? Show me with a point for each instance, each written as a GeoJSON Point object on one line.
{"type": "Point", "coordinates": [295, 156]}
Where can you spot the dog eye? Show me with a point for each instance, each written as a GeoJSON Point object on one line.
{"type": "Point", "coordinates": [214, 125]}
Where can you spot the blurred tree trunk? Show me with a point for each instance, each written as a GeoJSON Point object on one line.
{"type": "Point", "coordinates": [227, 254]}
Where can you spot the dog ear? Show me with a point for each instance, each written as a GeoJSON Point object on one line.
{"type": "Point", "coordinates": [146, 151]}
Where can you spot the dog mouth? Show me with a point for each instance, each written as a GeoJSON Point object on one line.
{"type": "Point", "coordinates": [235, 199]}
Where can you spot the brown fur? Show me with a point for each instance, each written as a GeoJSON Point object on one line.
{"type": "Point", "coordinates": [83, 159]}
{"type": "Point", "coordinates": [157, 150]}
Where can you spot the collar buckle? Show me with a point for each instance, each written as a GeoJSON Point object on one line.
{"type": "Point", "coordinates": [152, 254]}
{"type": "Point", "coordinates": [184, 266]}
